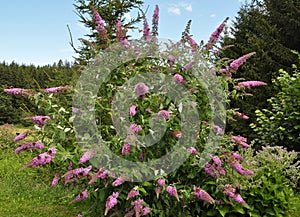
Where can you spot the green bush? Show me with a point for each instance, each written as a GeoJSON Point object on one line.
{"type": "Point", "coordinates": [281, 124]}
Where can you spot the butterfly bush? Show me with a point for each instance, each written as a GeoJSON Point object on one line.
{"type": "Point", "coordinates": [188, 191]}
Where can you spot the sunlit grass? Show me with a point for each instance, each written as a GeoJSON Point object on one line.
{"type": "Point", "coordinates": [28, 192]}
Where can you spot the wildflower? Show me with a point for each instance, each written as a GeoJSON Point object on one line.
{"type": "Point", "coordinates": [29, 145]}
{"type": "Point", "coordinates": [217, 160]}
{"type": "Point", "coordinates": [69, 176]}
{"type": "Point", "coordinates": [138, 206]}
{"type": "Point", "coordinates": [213, 39]}
{"type": "Point", "coordinates": [141, 89]}
{"type": "Point", "coordinates": [161, 182]}
{"type": "Point", "coordinates": [155, 21]}
{"type": "Point", "coordinates": [120, 33]}
{"type": "Point", "coordinates": [100, 174]}
{"type": "Point", "coordinates": [146, 30]}
{"type": "Point", "coordinates": [126, 148]}
{"type": "Point", "coordinates": [239, 168]}
{"type": "Point", "coordinates": [79, 172]}
{"type": "Point", "coordinates": [172, 191]}
{"type": "Point", "coordinates": [249, 84]}
{"type": "Point", "coordinates": [234, 65]}
{"type": "Point", "coordinates": [237, 156]}
{"type": "Point", "coordinates": [239, 140]}
{"type": "Point", "coordinates": [133, 110]}
{"type": "Point", "coordinates": [79, 215]}
{"type": "Point", "coordinates": [83, 195]}
{"type": "Point", "coordinates": [218, 130]}
{"type": "Point", "coordinates": [146, 211]}
{"type": "Point", "coordinates": [189, 66]}
{"type": "Point", "coordinates": [102, 32]}
{"type": "Point", "coordinates": [148, 110]}
{"type": "Point", "coordinates": [214, 170]}
{"type": "Point", "coordinates": [57, 89]}
{"type": "Point", "coordinates": [111, 202]}
{"type": "Point", "coordinates": [132, 194]}
{"type": "Point", "coordinates": [39, 120]}
{"type": "Point", "coordinates": [233, 194]}
{"type": "Point", "coordinates": [163, 113]}
{"type": "Point", "coordinates": [193, 151]}
{"type": "Point", "coordinates": [42, 159]}
{"type": "Point", "coordinates": [87, 156]}
{"type": "Point", "coordinates": [178, 78]}
{"type": "Point", "coordinates": [19, 91]}
{"type": "Point", "coordinates": [242, 115]}
{"type": "Point", "coordinates": [135, 128]}
{"type": "Point", "coordinates": [177, 134]}
{"type": "Point", "coordinates": [203, 195]}
{"type": "Point", "coordinates": [120, 180]}
{"type": "Point", "coordinates": [55, 180]}
{"type": "Point", "coordinates": [21, 136]}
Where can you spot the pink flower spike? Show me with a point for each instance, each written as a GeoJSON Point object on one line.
{"type": "Point", "coordinates": [178, 78]}
{"type": "Point", "coordinates": [29, 145]}
{"type": "Point", "coordinates": [87, 156]}
{"type": "Point", "coordinates": [233, 194]}
{"type": "Point", "coordinates": [217, 160]}
{"type": "Point", "coordinates": [146, 211]}
{"type": "Point", "coordinates": [83, 195]}
{"type": "Point", "coordinates": [234, 65]}
{"type": "Point", "coordinates": [39, 120]}
{"type": "Point", "coordinates": [135, 128]}
{"type": "Point", "coordinates": [239, 140]}
{"type": "Point", "coordinates": [120, 180]}
{"type": "Point", "coordinates": [189, 66]}
{"type": "Point", "coordinates": [213, 39]}
{"type": "Point", "coordinates": [133, 110]}
{"type": "Point", "coordinates": [193, 151]}
{"type": "Point", "coordinates": [55, 180]}
{"type": "Point", "coordinates": [19, 91]}
{"type": "Point", "coordinates": [126, 149]}
{"type": "Point", "coordinates": [237, 156]}
{"type": "Point", "coordinates": [203, 195]}
{"type": "Point", "coordinates": [164, 113]}
{"type": "Point", "coordinates": [155, 21]}
{"type": "Point", "coordinates": [138, 206]}
{"type": "Point", "coordinates": [249, 84]}
{"type": "Point", "coordinates": [172, 192]}
{"type": "Point", "coordinates": [132, 194]}
{"type": "Point", "coordinates": [242, 116]}
{"type": "Point", "coordinates": [111, 202]}
{"type": "Point", "coordinates": [21, 136]}
{"type": "Point", "coordinates": [141, 89]}
{"type": "Point", "coordinates": [57, 89]}
{"type": "Point", "coordinates": [161, 182]}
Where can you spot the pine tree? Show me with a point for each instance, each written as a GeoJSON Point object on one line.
{"type": "Point", "coordinates": [264, 27]}
{"type": "Point", "coordinates": [110, 11]}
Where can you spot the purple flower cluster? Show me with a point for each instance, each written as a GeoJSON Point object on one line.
{"type": "Point", "coordinates": [100, 174]}
{"type": "Point", "coordinates": [203, 195]}
{"type": "Point", "coordinates": [239, 140]}
{"type": "Point", "coordinates": [29, 145]}
{"type": "Point", "coordinates": [83, 195]}
{"type": "Point", "coordinates": [39, 120]}
{"type": "Point", "coordinates": [234, 65]}
{"type": "Point", "coordinates": [111, 202]}
{"type": "Point", "coordinates": [248, 84]}
{"type": "Point", "coordinates": [21, 136]}
{"type": "Point", "coordinates": [135, 128]}
{"type": "Point", "coordinates": [155, 18]}
{"type": "Point", "coordinates": [57, 89]}
{"type": "Point", "coordinates": [19, 91]}
{"type": "Point", "coordinates": [120, 180]}
{"type": "Point", "coordinates": [193, 151]}
{"type": "Point", "coordinates": [215, 169]}
{"type": "Point", "coordinates": [138, 209]}
{"type": "Point", "coordinates": [172, 192]}
{"type": "Point", "coordinates": [213, 39]}
{"type": "Point", "coordinates": [55, 180]}
{"type": "Point", "coordinates": [126, 149]}
{"type": "Point", "coordinates": [87, 156]}
{"type": "Point", "coordinates": [241, 115]}
{"type": "Point", "coordinates": [131, 194]}
{"type": "Point", "coordinates": [133, 110]}
{"type": "Point", "coordinates": [141, 89]}
{"type": "Point", "coordinates": [163, 113]}
{"type": "Point", "coordinates": [42, 159]}
{"type": "Point", "coordinates": [239, 168]}
{"type": "Point", "coordinates": [233, 194]}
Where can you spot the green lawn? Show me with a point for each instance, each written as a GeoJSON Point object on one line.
{"type": "Point", "coordinates": [28, 192]}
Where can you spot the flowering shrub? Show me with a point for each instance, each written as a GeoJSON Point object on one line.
{"type": "Point", "coordinates": [269, 191]}
{"type": "Point", "coordinates": [191, 190]}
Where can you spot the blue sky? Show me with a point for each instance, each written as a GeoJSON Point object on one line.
{"type": "Point", "coordinates": [35, 31]}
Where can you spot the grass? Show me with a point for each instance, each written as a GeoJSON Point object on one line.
{"type": "Point", "coordinates": [28, 192]}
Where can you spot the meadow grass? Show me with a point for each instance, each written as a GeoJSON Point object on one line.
{"type": "Point", "coordinates": [28, 192]}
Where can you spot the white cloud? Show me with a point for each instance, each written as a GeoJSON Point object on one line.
{"type": "Point", "coordinates": [127, 16]}
{"type": "Point", "coordinates": [174, 10]}
{"type": "Point", "coordinates": [186, 6]}
{"type": "Point", "coordinates": [213, 15]}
